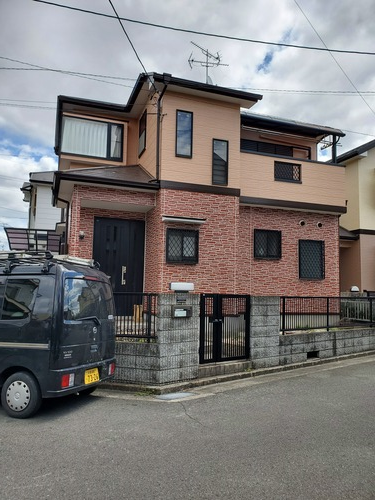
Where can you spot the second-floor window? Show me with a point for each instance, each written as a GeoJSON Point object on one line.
{"type": "Point", "coordinates": [267, 244]}
{"type": "Point", "coordinates": [220, 162]}
{"type": "Point", "coordinates": [142, 133]}
{"type": "Point", "coordinates": [92, 138]}
{"type": "Point", "coordinates": [287, 172]}
{"type": "Point", "coordinates": [184, 134]}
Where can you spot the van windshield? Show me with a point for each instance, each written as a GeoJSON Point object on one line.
{"type": "Point", "coordinates": [85, 298]}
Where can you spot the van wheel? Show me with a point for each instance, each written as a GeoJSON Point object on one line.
{"type": "Point", "coordinates": [20, 395]}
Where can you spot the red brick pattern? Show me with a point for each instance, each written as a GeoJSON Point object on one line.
{"type": "Point", "coordinates": [82, 218]}
{"type": "Point", "coordinates": [226, 263]}
{"type": "Point", "coordinates": [280, 277]}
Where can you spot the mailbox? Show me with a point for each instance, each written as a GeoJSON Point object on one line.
{"type": "Point", "coordinates": [181, 311]}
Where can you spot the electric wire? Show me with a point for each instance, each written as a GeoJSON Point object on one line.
{"type": "Point", "coordinates": [202, 33]}
{"type": "Point", "coordinates": [334, 58]}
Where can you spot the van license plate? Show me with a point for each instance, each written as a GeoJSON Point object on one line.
{"type": "Point", "coordinates": [91, 376]}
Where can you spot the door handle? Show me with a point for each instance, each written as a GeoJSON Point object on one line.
{"type": "Point", "coordinates": [123, 272]}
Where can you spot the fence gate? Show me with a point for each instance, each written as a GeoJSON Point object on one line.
{"type": "Point", "coordinates": [224, 327]}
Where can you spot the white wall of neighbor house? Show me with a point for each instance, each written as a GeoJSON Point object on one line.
{"type": "Point", "coordinates": [42, 214]}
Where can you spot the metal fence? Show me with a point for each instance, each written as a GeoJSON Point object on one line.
{"type": "Point", "coordinates": [312, 313]}
{"type": "Point", "coordinates": [136, 315]}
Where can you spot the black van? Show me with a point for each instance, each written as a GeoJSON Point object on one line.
{"type": "Point", "coordinates": [57, 329]}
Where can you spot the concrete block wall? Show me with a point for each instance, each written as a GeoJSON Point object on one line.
{"type": "Point", "coordinates": [264, 331]}
{"type": "Point", "coordinates": [173, 356]}
{"type": "Point", "coordinates": [300, 347]}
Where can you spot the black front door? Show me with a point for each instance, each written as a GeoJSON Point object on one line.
{"type": "Point", "coordinates": [119, 249]}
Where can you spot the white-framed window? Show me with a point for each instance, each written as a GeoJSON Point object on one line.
{"type": "Point", "coordinates": [84, 137]}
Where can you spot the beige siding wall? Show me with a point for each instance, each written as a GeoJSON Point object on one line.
{"type": "Point", "coordinates": [321, 183]}
{"type": "Point", "coordinates": [211, 120]}
{"type": "Point", "coordinates": [350, 220]}
{"type": "Point", "coordinates": [366, 175]}
{"type": "Point", "coordinates": [350, 272]}
{"type": "Point", "coordinates": [367, 243]}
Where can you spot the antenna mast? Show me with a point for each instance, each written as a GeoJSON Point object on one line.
{"type": "Point", "coordinates": [211, 61]}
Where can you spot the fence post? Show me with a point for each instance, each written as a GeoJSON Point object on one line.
{"type": "Point", "coordinates": [283, 314]}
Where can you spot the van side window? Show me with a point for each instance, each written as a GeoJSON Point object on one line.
{"type": "Point", "coordinates": [19, 298]}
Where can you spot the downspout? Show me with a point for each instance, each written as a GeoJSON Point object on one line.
{"type": "Point", "coordinates": [158, 132]}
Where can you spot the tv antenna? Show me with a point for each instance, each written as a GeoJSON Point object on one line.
{"type": "Point", "coordinates": [211, 61]}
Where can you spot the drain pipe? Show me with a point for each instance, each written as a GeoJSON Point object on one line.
{"type": "Point", "coordinates": [158, 132]}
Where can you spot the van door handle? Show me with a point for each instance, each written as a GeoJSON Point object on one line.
{"type": "Point", "coordinates": [123, 272]}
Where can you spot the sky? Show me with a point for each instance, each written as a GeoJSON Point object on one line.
{"type": "Point", "coordinates": [48, 50]}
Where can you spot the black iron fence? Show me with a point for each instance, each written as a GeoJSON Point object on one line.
{"type": "Point", "coordinates": [312, 313]}
{"type": "Point", "coordinates": [136, 315]}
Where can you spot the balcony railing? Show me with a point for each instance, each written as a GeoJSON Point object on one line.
{"type": "Point", "coordinates": [33, 239]}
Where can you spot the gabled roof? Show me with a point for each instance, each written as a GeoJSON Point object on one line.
{"type": "Point", "coordinates": [355, 152]}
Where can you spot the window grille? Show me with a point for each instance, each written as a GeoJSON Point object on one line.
{"type": "Point", "coordinates": [311, 259]}
{"type": "Point", "coordinates": [182, 246]}
{"type": "Point", "coordinates": [289, 172]}
{"type": "Point", "coordinates": [267, 244]}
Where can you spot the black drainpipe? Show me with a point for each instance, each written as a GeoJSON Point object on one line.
{"type": "Point", "coordinates": [158, 133]}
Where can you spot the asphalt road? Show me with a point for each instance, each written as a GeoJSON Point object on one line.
{"type": "Point", "coordinates": [305, 434]}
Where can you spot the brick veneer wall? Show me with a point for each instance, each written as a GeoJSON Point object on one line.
{"type": "Point", "coordinates": [281, 277]}
{"type": "Point", "coordinates": [226, 263]}
{"type": "Point", "coordinates": [216, 270]}
{"type": "Point", "coordinates": [82, 218]}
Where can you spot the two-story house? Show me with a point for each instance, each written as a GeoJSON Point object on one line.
{"type": "Point", "coordinates": [185, 184]}
{"type": "Point", "coordinates": [357, 245]}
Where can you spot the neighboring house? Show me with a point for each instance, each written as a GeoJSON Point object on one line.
{"type": "Point", "coordinates": [181, 185]}
{"type": "Point", "coordinates": [40, 233]}
{"type": "Point", "coordinates": [357, 239]}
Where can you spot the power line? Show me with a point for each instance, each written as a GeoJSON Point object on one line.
{"type": "Point", "coordinates": [215, 35]}
{"type": "Point", "coordinates": [131, 44]}
{"type": "Point", "coordinates": [14, 210]}
{"type": "Point", "coordinates": [35, 67]}
{"type": "Point", "coordinates": [336, 61]}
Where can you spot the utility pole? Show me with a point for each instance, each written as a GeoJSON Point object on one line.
{"type": "Point", "coordinates": [211, 61]}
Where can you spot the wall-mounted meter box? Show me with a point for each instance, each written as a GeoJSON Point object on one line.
{"type": "Point", "coordinates": [181, 311]}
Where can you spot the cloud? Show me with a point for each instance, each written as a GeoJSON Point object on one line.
{"type": "Point", "coordinates": [43, 36]}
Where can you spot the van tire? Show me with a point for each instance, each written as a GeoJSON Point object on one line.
{"type": "Point", "coordinates": [20, 395]}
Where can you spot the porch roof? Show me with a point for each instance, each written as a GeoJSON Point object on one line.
{"type": "Point", "coordinates": [133, 177]}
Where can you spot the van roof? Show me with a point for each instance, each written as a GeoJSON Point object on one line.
{"type": "Point", "coordinates": [43, 260]}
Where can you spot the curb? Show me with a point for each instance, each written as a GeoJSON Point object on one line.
{"type": "Point", "coordinates": [200, 382]}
